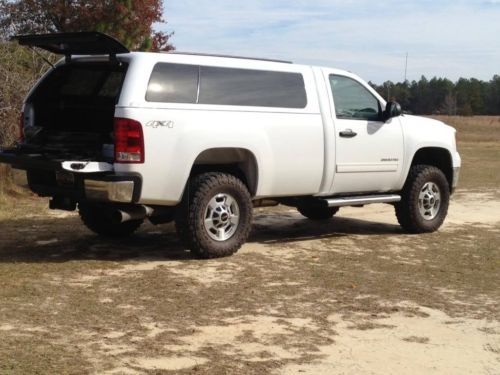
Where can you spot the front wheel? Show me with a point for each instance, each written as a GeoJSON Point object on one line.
{"type": "Point", "coordinates": [424, 201]}
{"type": "Point", "coordinates": [215, 217]}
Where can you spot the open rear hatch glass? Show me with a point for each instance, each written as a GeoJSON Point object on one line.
{"type": "Point", "coordinates": [68, 44]}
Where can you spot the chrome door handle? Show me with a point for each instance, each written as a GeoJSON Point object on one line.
{"type": "Point", "coordinates": [348, 133]}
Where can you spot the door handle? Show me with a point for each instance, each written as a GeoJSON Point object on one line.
{"type": "Point", "coordinates": [348, 133]}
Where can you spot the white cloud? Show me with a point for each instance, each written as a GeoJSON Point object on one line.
{"type": "Point", "coordinates": [443, 37]}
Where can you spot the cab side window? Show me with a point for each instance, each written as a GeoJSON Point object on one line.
{"type": "Point", "coordinates": [253, 88]}
{"type": "Point", "coordinates": [353, 101]}
{"type": "Point", "coordinates": [173, 83]}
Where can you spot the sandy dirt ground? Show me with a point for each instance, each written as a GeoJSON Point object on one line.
{"type": "Point", "coordinates": [354, 295]}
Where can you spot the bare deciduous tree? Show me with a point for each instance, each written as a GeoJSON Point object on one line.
{"type": "Point", "coordinates": [19, 70]}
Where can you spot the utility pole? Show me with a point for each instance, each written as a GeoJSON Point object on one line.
{"type": "Point", "coordinates": [406, 65]}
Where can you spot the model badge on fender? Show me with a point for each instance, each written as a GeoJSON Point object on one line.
{"type": "Point", "coordinates": [156, 124]}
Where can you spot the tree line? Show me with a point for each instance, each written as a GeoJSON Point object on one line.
{"type": "Point", "coordinates": [465, 97]}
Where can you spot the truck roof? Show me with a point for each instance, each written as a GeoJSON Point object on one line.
{"type": "Point", "coordinates": [221, 60]}
{"type": "Point", "coordinates": [229, 56]}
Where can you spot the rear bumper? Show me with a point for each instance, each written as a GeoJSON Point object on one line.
{"type": "Point", "coordinates": [113, 188]}
{"type": "Point", "coordinates": [53, 178]}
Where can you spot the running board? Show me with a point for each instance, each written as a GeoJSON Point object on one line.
{"type": "Point", "coordinates": [362, 200]}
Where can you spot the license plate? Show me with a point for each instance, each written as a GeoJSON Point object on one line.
{"type": "Point", "coordinates": [65, 178]}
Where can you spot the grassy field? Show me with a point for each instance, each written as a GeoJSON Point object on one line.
{"type": "Point", "coordinates": [352, 295]}
{"type": "Point", "coordinates": [478, 140]}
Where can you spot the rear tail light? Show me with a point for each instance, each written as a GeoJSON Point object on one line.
{"type": "Point", "coordinates": [21, 128]}
{"type": "Point", "coordinates": [129, 141]}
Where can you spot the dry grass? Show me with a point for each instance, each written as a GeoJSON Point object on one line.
{"type": "Point", "coordinates": [15, 199]}
{"type": "Point", "coordinates": [478, 141]}
{"type": "Point", "coordinates": [72, 303]}
{"type": "Point", "coordinates": [484, 129]}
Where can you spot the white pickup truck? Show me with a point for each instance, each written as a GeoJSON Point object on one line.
{"type": "Point", "coordinates": [202, 139]}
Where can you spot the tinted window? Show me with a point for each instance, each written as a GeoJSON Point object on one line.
{"type": "Point", "coordinates": [112, 85]}
{"type": "Point", "coordinates": [227, 86]}
{"type": "Point", "coordinates": [81, 81]}
{"type": "Point", "coordinates": [353, 100]}
{"type": "Point", "coordinates": [173, 83]}
{"type": "Point", "coordinates": [87, 81]}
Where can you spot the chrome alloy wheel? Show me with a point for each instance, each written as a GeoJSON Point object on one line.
{"type": "Point", "coordinates": [222, 217]}
{"type": "Point", "coordinates": [429, 201]}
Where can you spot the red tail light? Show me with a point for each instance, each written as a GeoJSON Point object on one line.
{"type": "Point", "coordinates": [21, 128]}
{"type": "Point", "coordinates": [129, 141]}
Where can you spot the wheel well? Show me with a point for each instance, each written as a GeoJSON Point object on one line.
{"type": "Point", "coordinates": [236, 161]}
{"type": "Point", "coordinates": [437, 157]}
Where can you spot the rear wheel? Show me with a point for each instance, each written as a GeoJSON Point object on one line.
{"type": "Point", "coordinates": [99, 219]}
{"type": "Point", "coordinates": [424, 201]}
{"type": "Point", "coordinates": [214, 219]}
{"type": "Point", "coordinates": [316, 212]}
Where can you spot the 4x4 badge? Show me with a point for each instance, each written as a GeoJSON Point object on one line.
{"type": "Point", "coordinates": [156, 124]}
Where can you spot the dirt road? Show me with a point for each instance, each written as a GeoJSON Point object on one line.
{"type": "Point", "coordinates": [354, 295]}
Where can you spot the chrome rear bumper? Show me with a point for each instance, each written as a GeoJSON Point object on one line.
{"type": "Point", "coordinates": [109, 191]}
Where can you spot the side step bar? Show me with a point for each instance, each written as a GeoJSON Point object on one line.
{"type": "Point", "coordinates": [362, 200]}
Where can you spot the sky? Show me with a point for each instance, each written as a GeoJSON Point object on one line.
{"type": "Point", "coordinates": [443, 38]}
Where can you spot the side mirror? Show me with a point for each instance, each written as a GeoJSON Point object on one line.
{"type": "Point", "coordinates": [393, 109]}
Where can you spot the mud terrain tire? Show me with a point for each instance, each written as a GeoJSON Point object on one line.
{"type": "Point", "coordinates": [215, 216]}
{"type": "Point", "coordinates": [424, 200]}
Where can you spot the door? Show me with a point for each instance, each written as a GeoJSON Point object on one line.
{"type": "Point", "coordinates": [369, 151]}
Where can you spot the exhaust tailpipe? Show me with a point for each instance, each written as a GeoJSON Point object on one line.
{"type": "Point", "coordinates": [139, 213]}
